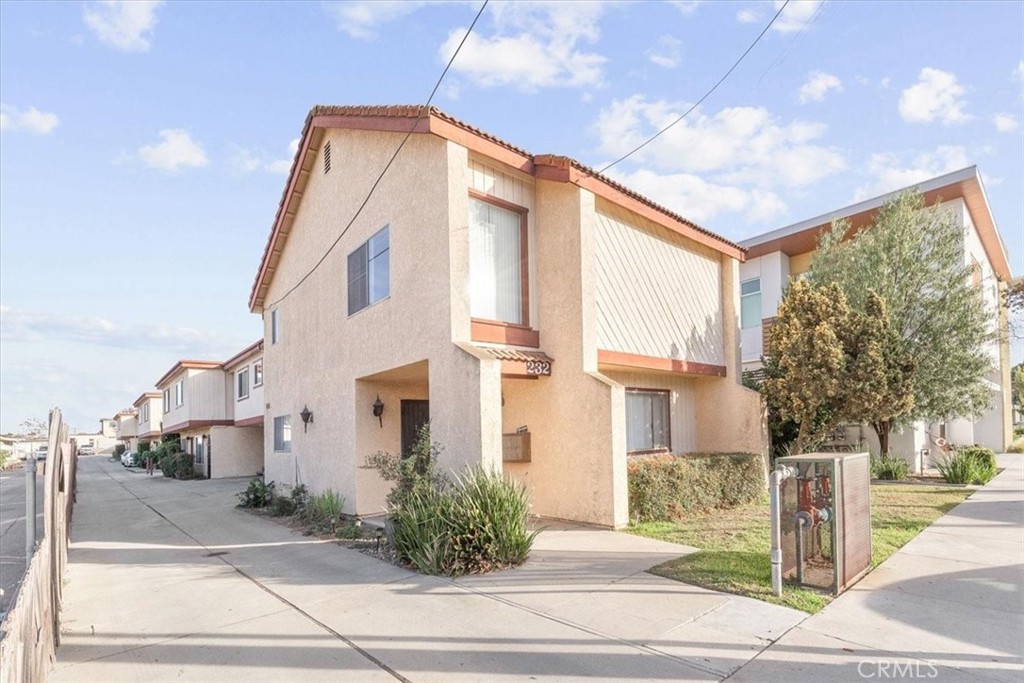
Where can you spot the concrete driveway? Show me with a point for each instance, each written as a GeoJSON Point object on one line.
{"type": "Point", "coordinates": [168, 580]}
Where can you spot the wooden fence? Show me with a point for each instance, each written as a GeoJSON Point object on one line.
{"type": "Point", "coordinates": [31, 629]}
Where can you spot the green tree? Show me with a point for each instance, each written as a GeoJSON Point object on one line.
{"type": "Point", "coordinates": [806, 361]}
{"type": "Point", "coordinates": [33, 426]}
{"type": "Point", "coordinates": [1017, 383]}
{"type": "Point", "coordinates": [912, 257]}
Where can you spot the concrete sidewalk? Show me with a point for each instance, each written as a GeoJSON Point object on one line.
{"type": "Point", "coordinates": [948, 606]}
{"type": "Point", "coordinates": [168, 581]}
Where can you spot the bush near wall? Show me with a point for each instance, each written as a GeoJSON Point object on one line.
{"type": "Point", "coordinates": [666, 487]}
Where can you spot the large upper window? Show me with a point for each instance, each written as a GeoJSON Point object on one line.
{"type": "Point", "coordinates": [497, 263]}
{"type": "Point", "coordinates": [179, 393]}
{"type": "Point", "coordinates": [750, 303]}
{"type": "Point", "coordinates": [369, 272]}
{"type": "Point", "coordinates": [283, 433]}
{"type": "Point", "coordinates": [242, 384]}
{"type": "Point", "coordinates": [647, 420]}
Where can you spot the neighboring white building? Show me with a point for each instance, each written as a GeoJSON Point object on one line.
{"type": "Point", "coordinates": [126, 425]}
{"type": "Point", "coordinates": [776, 258]}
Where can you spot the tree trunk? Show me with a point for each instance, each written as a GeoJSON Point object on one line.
{"type": "Point", "coordinates": [882, 429]}
{"type": "Point", "coordinates": [800, 438]}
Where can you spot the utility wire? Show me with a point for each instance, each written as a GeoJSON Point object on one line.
{"type": "Point", "coordinates": [704, 97]}
{"type": "Point", "coordinates": [424, 111]}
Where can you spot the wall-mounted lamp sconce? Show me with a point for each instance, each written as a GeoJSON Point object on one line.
{"type": "Point", "coordinates": [378, 410]}
{"type": "Point", "coordinates": [307, 418]}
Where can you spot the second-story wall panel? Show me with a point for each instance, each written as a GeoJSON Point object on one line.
{"type": "Point", "coordinates": [658, 294]}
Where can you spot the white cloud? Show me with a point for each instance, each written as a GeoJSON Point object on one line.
{"type": "Point", "coordinates": [27, 326]}
{"type": "Point", "coordinates": [891, 173]}
{"type": "Point", "coordinates": [534, 45]}
{"type": "Point", "coordinates": [362, 19]}
{"type": "Point", "coordinates": [1005, 123]}
{"type": "Point", "coordinates": [701, 201]}
{"type": "Point", "coordinates": [817, 86]}
{"type": "Point", "coordinates": [1019, 71]}
{"type": "Point", "coordinates": [30, 120]}
{"type": "Point", "coordinates": [797, 15]}
{"type": "Point", "coordinates": [739, 145]}
{"type": "Point", "coordinates": [666, 52]}
{"type": "Point", "coordinates": [685, 6]}
{"type": "Point", "coordinates": [935, 97]}
{"type": "Point", "coordinates": [248, 161]}
{"type": "Point", "coordinates": [122, 24]}
{"type": "Point", "coordinates": [177, 150]}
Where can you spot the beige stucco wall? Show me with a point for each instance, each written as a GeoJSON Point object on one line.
{"type": "Point", "coordinates": [235, 451]}
{"type": "Point", "coordinates": [657, 292]}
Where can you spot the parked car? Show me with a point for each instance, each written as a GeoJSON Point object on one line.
{"type": "Point", "coordinates": [87, 449]}
{"type": "Point", "coordinates": [41, 453]}
{"type": "Point", "coordinates": [128, 458]}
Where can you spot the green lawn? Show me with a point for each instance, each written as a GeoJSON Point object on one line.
{"type": "Point", "coordinates": [734, 543]}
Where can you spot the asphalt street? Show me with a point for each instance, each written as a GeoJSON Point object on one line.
{"type": "Point", "coordinates": [12, 529]}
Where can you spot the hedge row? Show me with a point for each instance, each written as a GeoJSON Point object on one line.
{"type": "Point", "coordinates": [668, 486]}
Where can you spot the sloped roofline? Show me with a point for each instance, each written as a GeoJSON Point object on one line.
{"type": "Point", "coordinates": [187, 365]}
{"type": "Point", "coordinates": [400, 119]}
{"type": "Point", "coordinates": [965, 184]}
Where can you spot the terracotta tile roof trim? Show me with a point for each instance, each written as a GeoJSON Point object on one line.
{"type": "Point", "coordinates": [415, 111]}
{"type": "Point", "coordinates": [515, 354]}
{"type": "Point", "coordinates": [251, 349]}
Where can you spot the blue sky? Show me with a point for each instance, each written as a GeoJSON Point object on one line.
{"type": "Point", "coordinates": [144, 146]}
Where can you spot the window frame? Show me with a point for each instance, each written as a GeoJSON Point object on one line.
{"type": "Point", "coordinates": [524, 258]}
{"type": "Point", "coordinates": [275, 326]}
{"type": "Point", "coordinates": [758, 294]}
{"type": "Point", "coordinates": [368, 262]}
{"type": "Point", "coordinates": [179, 393]}
{"type": "Point", "coordinates": [257, 373]}
{"type": "Point", "coordinates": [280, 446]}
{"type": "Point", "coordinates": [242, 372]}
{"type": "Point", "coordinates": [167, 400]}
{"type": "Point", "coordinates": [667, 393]}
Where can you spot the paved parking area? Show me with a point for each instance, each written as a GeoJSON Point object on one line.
{"type": "Point", "coordinates": [168, 580]}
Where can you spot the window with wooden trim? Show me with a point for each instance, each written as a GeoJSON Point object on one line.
{"type": "Point", "coordinates": [648, 420]}
{"type": "Point", "coordinates": [283, 433]}
{"type": "Point", "coordinates": [257, 374]}
{"type": "Point", "coordinates": [242, 384]}
{"type": "Point", "coordinates": [750, 303]}
{"type": "Point", "coordinates": [369, 272]}
{"type": "Point", "coordinates": [498, 262]}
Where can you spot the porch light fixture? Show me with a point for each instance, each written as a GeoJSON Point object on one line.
{"type": "Point", "coordinates": [307, 418]}
{"type": "Point", "coordinates": [378, 410]}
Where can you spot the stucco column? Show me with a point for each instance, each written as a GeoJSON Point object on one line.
{"type": "Point", "coordinates": [465, 409]}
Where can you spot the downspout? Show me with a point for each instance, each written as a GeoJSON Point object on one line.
{"type": "Point", "coordinates": [775, 479]}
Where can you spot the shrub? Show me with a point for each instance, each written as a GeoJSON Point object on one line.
{"type": "Point", "coordinates": [413, 474]}
{"type": "Point", "coordinates": [4, 457]}
{"type": "Point", "coordinates": [119, 450]}
{"type": "Point", "coordinates": [178, 465]}
{"type": "Point", "coordinates": [323, 511]}
{"type": "Point", "coordinates": [477, 525]}
{"type": "Point", "coordinates": [258, 494]}
{"type": "Point", "coordinates": [969, 465]}
{"type": "Point", "coordinates": [889, 467]}
{"type": "Point", "coordinates": [1016, 447]}
{"type": "Point", "coordinates": [144, 447]}
{"type": "Point", "coordinates": [292, 504]}
{"type": "Point", "coordinates": [1018, 432]}
{"type": "Point", "coordinates": [665, 487]}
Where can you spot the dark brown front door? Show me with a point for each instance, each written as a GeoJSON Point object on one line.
{"type": "Point", "coordinates": [415, 414]}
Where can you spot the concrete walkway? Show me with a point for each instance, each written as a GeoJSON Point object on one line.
{"type": "Point", "coordinates": [948, 606]}
{"type": "Point", "coordinates": [168, 581]}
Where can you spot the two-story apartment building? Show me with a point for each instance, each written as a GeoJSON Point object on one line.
{"type": "Point", "coordinates": [548, 322]}
{"type": "Point", "coordinates": [127, 426]}
{"type": "Point", "coordinates": [200, 400]}
{"type": "Point", "coordinates": [776, 258]}
{"type": "Point", "coordinates": [149, 411]}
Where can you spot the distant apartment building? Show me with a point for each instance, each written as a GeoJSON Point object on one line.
{"type": "Point", "coordinates": [777, 258]}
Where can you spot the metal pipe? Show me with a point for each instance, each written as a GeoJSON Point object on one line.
{"type": "Point", "coordinates": [30, 508]}
{"type": "Point", "coordinates": [801, 523]}
{"type": "Point", "coordinates": [775, 479]}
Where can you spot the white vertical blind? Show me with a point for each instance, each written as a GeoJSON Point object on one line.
{"type": "Point", "coordinates": [495, 286]}
{"type": "Point", "coordinates": [647, 420]}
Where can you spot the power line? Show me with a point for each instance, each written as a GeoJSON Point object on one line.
{"type": "Point", "coordinates": [704, 97]}
{"type": "Point", "coordinates": [424, 111]}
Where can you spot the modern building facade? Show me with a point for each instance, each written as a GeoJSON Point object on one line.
{"type": "Point", "coordinates": [781, 256]}
{"type": "Point", "coordinates": [548, 322]}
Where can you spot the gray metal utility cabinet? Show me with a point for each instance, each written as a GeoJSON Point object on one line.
{"type": "Point", "coordinates": [825, 519]}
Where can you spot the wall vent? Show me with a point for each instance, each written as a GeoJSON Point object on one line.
{"type": "Point", "coordinates": [327, 157]}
